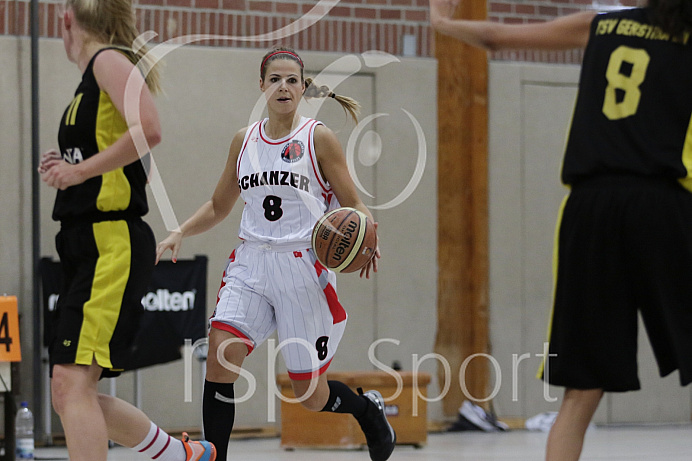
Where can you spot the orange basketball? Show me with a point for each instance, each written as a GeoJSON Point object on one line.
{"type": "Point", "coordinates": [344, 240]}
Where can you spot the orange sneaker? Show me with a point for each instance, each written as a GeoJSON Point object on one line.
{"type": "Point", "coordinates": [198, 451]}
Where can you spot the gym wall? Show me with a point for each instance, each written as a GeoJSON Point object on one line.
{"type": "Point", "coordinates": [210, 93]}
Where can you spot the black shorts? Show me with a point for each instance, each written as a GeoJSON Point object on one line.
{"type": "Point", "coordinates": [625, 246]}
{"type": "Point", "coordinates": [106, 268]}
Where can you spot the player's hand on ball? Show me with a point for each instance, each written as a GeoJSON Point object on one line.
{"type": "Point", "coordinates": [372, 264]}
{"type": "Point", "coordinates": [172, 242]}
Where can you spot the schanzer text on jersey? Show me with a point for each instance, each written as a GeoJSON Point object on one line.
{"type": "Point", "coordinates": [275, 178]}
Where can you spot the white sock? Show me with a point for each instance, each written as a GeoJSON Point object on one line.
{"type": "Point", "coordinates": [160, 446]}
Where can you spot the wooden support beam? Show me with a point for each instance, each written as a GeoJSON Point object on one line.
{"type": "Point", "coordinates": [463, 213]}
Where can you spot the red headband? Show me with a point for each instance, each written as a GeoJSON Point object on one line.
{"type": "Point", "coordinates": [300, 61]}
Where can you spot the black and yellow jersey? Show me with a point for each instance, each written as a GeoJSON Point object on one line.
{"type": "Point", "coordinates": [633, 110]}
{"type": "Point", "coordinates": [89, 125]}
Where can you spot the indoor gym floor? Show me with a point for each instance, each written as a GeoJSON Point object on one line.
{"type": "Point", "coordinates": [625, 443]}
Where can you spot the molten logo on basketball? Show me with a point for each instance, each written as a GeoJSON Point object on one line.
{"type": "Point", "coordinates": [293, 151]}
{"type": "Point", "coordinates": [345, 242]}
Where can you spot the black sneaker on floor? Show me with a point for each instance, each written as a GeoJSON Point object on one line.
{"type": "Point", "coordinates": [378, 432]}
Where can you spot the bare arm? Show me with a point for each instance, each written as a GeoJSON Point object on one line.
{"type": "Point", "coordinates": [563, 33]}
{"type": "Point", "coordinates": [213, 211]}
{"type": "Point", "coordinates": [113, 72]}
{"type": "Point", "coordinates": [332, 162]}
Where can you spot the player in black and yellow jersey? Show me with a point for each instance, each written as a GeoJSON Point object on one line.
{"type": "Point", "coordinates": [624, 240]}
{"type": "Point", "coordinates": [106, 250]}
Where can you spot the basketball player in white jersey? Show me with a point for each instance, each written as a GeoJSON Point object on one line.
{"type": "Point", "coordinates": [288, 170]}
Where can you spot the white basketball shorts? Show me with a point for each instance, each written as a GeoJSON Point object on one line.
{"type": "Point", "coordinates": [267, 288]}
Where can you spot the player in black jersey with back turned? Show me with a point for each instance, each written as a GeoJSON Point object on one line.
{"type": "Point", "coordinates": [625, 244]}
{"type": "Point", "coordinates": [106, 250]}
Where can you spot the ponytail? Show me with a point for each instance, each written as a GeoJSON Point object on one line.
{"type": "Point", "coordinates": [349, 105]}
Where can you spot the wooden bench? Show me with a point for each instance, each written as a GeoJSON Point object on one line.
{"type": "Point", "coordinates": [302, 428]}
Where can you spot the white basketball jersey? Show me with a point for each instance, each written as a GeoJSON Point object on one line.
{"type": "Point", "coordinates": [281, 184]}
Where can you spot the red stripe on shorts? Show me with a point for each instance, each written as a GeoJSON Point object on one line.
{"type": "Point", "coordinates": [226, 327]}
{"type": "Point", "coordinates": [309, 374]}
{"type": "Point", "coordinates": [223, 284]}
{"type": "Point", "coordinates": [335, 307]}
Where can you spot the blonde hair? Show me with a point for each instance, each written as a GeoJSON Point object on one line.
{"type": "Point", "coordinates": [349, 105]}
{"type": "Point", "coordinates": [113, 22]}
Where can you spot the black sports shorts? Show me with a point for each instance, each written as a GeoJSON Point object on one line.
{"type": "Point", "coordinates": [624, 246]}
{"type": "Point", "coordinates": [106, 268]}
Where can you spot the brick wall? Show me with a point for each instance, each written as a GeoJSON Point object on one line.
{"type": "Point", "coordinates": [527, 11]}
{"type": "Point", "coordinates": [350, 26]}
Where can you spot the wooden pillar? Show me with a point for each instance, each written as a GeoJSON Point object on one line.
{"type": "Point", "coordinates": [463, 212]}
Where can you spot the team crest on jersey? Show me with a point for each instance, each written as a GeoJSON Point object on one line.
{"type": "Point", "coordinates": [293, 151]}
